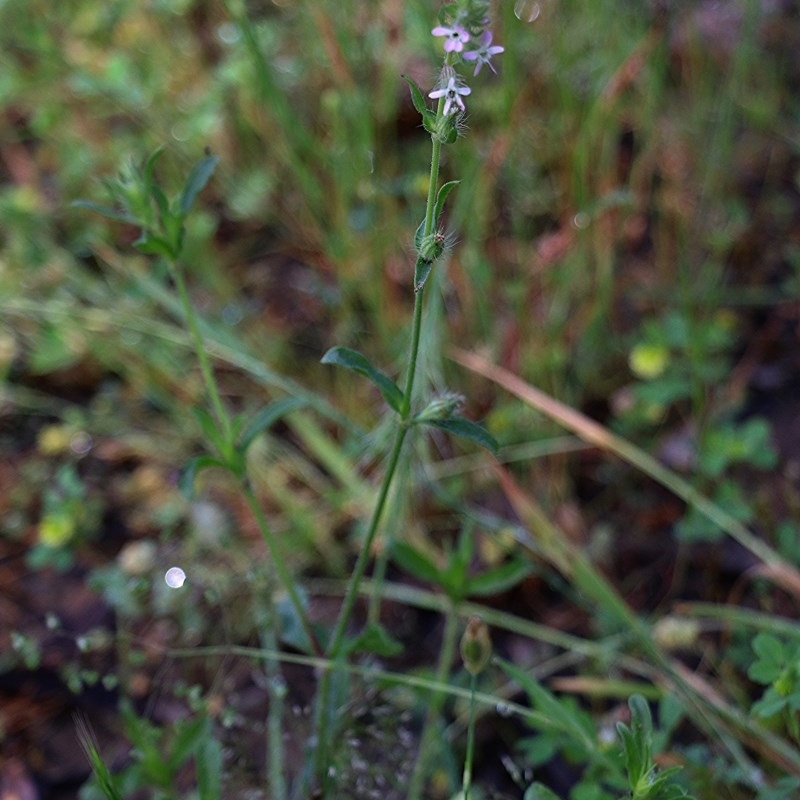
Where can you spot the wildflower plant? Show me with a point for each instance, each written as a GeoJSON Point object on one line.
{"type": "Point", "coordinates": [460, 23]}
{"type": "Point", "coordinates": [137, 199]}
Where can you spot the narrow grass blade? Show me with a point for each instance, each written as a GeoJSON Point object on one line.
{"type": "Point", "coordinates": [90, 747]}
{"type": "Point", "coordinates": [594, 433]}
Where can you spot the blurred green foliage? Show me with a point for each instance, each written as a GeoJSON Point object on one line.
{"type": "Point", "coordinates": [625, 234]}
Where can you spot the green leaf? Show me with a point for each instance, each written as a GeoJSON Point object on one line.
{"type": "Point", "coordinates": [198, 178]}
{"type": "Point", "coordinates": [101, 771]}
{"type": "Point", "coordinates": [499, 579]}
{"type": "Point", "coordinates": [415, 563]}
{"type": "Point", "coordinates": [208, 765]}
{"type": "Point", "coordinates": [352, 359]}
{"type": "Point", "coordinates": [454, 575]}
{"type": "Point", "coordinates": [157, 193]}
{"type": "Point", "coordinates": [764, 672]}
{"type": "Point", "coordinates": [418, 235]}
{"type": "Point", "coordinates": [191, 471]}
{"type": "Point", "coordinates": [466, 429]}
{"type": "Point", "coordinates": [418, 99]}
{"type": "Point", "coordinates": [538, 791]}
{"type": "Point", "coordinates": [52, 350]}
{"type": "Point", "coordinates": [150, 166]}
{"type": "Point", "coordinates": [422, 269]}
{"type": "Point", "coordinates": [770, 704]}
{"type": "Point", "coordinates": [106, 211]}
{"type": "Point", "coordinates": [769, 649]}
{"type": "Point", "coordinates": [441, 196]}
{"type": "Point", "coordinates": [266, 418]}
{"type": "Point", "coordinates": [637, 740]}
{"type": "Point", "coordinates": [292, 630]}
{"type": "Point", "coordinates": [173, 231]}
{"type": "Point", "coordinates": [538, 749]}
{"type": "Point", "coordinates": [188, 734]}
{"type": "Point", "coordinates": [155, 245]}
{"type": "Point", "coordinates": [560, 716]}
{"type": "Point", "coordinates": [210, 429]}
{"type": "Point", "coordinates": [375, 640]}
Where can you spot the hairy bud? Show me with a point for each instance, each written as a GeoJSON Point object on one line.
{"type": "Point", "coordinates": [476, 646]}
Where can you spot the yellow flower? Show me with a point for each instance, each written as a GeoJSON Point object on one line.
{"type": "Point", "coordinates": [648, 361]}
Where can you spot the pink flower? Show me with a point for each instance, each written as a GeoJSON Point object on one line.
{"type": "Point", "coordinates": [455, 37]}
{"type": "Point", "coordinates": [484, 52]}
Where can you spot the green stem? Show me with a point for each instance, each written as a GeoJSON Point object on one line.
{"type": "Point", "coordinates": [467, 779]}
{"type": "Point", "coordinates": [275, 719]}
{"type": "Point", "coordinates": [323, 726]}
{"type": "Point", "coordinates": [281, 569]}
{"type": "Point", "coordinates": [223, 420]}
{"type": "Point", "coordinates": [426, 743]}
{"type": "Point", "coordinates": [378, 580]}
{"type": "Point", "coordinates": [276, 750]}
{"type": "Point", "coordinates": [333, 651]}
{"type": "Point", "coordinates": [359, 569]}
{"type": "Point", "coordinates": [363, 557]}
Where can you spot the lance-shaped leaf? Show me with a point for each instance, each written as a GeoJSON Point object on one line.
{"type": "Point", "coordinates": [422, 269]}
{"type": "Point", "coordinates": [196, 182]}
{"type": "Point", "coordinates": [106, 211]}
{"type": "Point", "coordinates": [155, 245]}
{"type": "Point", "coordinates": [427, 256]}
{"type": "Point", "coordinates": [418, 235]}
{"type": "Point", "coordinates": [148, 172]}
{"type": "Point", "coordinates": [441, 196]}
{"type": "Point", "coordinates": [101, 771]}
{"type": "Point", "coordinates": [376, 640]}
{"type": "Point", "coordinates": [210, 428]}
{"type": "Point", "coordinates": [454, 575]}
{"type": "Point", "coordinates": [423, 265]}
{"type": "Point", "coordinates": [415, 562]}
{"type": "Point", "coordinates": [208, 767]}
{"type": "Point", "coordinates": [637, 739]}
{"type": "Point", "coordinates": [266, 418]}
{"type": "Point", "coordinates": [193, 468]}
{"type": "Point", "coordinates": [466, 429]}
{"type": "Point", "coordinates": [157, 193]}
{"type": "Point", "coordinates": [352, 359]}
{"type": "Point", "coordinates": [498, 579]}
{"type": "Point", "coordinates": [418, 99]}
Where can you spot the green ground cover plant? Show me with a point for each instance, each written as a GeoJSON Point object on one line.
{"type": "Point", "coordinates": [241, 375]}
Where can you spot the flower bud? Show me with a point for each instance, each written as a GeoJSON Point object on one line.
{"type": "Point", "coordinates": [431, 247]}
{"type": "Point", "coordinates": [441, 407]}
{"type": "Point", "coordinates": [676, 633]}
{"type": "Point", "coordinates": [476, 646]}
{"type": "Point", "coordinates": [446, 128]}
{"type": "Point", "coordinates": [473, 15]}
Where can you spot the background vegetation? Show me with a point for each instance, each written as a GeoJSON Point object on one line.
{"type": "Point", "coordinates": [627, 241]}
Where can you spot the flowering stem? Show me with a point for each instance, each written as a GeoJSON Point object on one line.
{"type": "Point", "coordinates": [351, 594]}
{"type": "Point", "coordinates": [333, 651]}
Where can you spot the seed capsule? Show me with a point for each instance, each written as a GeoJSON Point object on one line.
{"type": "Point", "coordinates": [476, 646]}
